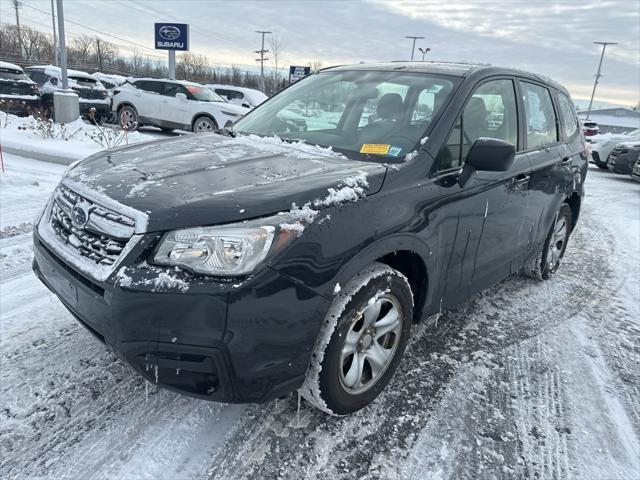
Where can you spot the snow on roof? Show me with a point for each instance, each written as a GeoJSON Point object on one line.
{"type": "Point", "coordinates": [54, 71]}
{"type": "Point", "coordinates": [10, 66]}
{"type": "Point", "coordinates": [112, 77]}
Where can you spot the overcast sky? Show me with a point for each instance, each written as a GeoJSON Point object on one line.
{"type": "Point", "coordinates": [551, 37]}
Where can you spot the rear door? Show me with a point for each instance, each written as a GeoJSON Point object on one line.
{"type": "Point", "coordinates": [549, 159]}
{"type": "Point", "coordinates": [175, 110]}
{"type": "Point", "coordinates": [148, 98]}
{"type": "Point", "coordinates": [481, 225]}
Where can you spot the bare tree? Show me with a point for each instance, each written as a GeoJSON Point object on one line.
{"type": "Point", "coordinates": [316, 65]}
{"type": "Point", "coordinates": [103, 52]}
{"type": "Point", "coordinates": [276, 47]}
{"type": "Point", "coordinates": [193, 66]}
{"type": "Point", "coordinates": [80, 50]}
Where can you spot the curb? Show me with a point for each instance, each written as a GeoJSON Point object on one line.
{"type": "Point", "coordinates": [45, 157]}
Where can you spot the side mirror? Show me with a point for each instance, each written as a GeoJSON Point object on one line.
{"type": "Point", "coordinates": [246, 105]}
{"type": "Point", "coordinates": [181, 96]}
{"type": "Point", "coordinates": [53, 80]}
{"type": "Point", "coordinates": [489, 155]}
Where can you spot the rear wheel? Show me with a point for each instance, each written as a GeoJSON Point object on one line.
{"type": "Point", "coordinates": [545, 264]}
{"type": "Point", "coordinates": [361, 342]}
{"type": "Point", "coordinates": [204, 124]}
{"type": "Point", "coordinates": [128, 118]}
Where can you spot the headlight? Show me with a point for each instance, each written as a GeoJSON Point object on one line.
{"type": "Point", "coordinates": [226, 250]}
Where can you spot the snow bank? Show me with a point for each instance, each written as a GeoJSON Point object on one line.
{"type": "Point", "coordinates": [75, 143]}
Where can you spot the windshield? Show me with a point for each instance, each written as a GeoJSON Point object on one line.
{"type": "Point", "coordinates": [368, 112]}
{"type": "Point", "coordinates": [9, 74]}
{"type": "Point", "coordinates": [203, 94]}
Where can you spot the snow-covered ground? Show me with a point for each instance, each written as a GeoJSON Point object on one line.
{"type": "Point", "coordinates": [74, 141]}
{"type": "Point", "coordinates": [526, 380]}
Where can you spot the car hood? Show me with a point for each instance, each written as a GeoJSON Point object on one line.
{"type": "Point", "coordinates": [210, 179]}
{"type": "Point", "coordinates": [631, 143]}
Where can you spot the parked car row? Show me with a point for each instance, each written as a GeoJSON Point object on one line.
{"type": "Point", "coordinates": [616, 152]}
{"type": "Point", "coordinates": [167, 104]}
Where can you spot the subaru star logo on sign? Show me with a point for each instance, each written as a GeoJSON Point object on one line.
{"type": "Point", "coordinates": [172, 36]}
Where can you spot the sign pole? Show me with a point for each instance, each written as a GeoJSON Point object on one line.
{"type": "Point", "coordinates": [172, 64]}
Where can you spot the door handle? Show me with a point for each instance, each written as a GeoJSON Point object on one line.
{"type": "Point", "coordinates": [522, 178]}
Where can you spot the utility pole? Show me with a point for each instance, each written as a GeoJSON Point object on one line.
{"type": "Point", "coordinates": [262, 51]}
{"type": "Point", "coordinates": [55, 35]}
{"type": "Point", "coordinates": [413, 48]}
{"type": "Point", "coordinates": [16, 5]}
{"type": "Point", "coordinates": [595, 84]}
{"type": "Point", "coordinates": [423, 51]}
{"type": "Point", "coordinates": [63, 48]}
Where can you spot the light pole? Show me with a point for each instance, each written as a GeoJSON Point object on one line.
{"type": "Point", "coordinates": [595, 84]}
{"type": "Point", "coordinates": [423, 51]}
{"type": "Point", "coordinates": [262, 51]}
{"type": "Point", "coordinates": [413, 47]}
{"type": "Point", "coordinates": [63, 47]}
{"type": "Point", "coordinates": [55, 35]}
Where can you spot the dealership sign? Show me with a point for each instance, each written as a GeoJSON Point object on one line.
{"type": "Point", "coordinates": [172, 36]}
{"type": "Point", "coordinates": [296, 73]}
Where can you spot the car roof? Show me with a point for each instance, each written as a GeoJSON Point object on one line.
{"type": "Point", "coordinates": [10, 66]}
{"type": "Point", "coordinates": [54, 71]}
{"type": "Point", "coordinates": [454, 69]}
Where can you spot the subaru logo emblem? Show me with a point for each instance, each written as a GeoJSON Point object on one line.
{"type": "Point", "coordinates": [80, 216]}
{"type": "Point", "coordinates": [169, 32]}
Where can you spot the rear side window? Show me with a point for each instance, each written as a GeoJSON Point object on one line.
{"type": "Point", "coordinates": [490, 112]}
{"type": "Point", "coordinates": [539, 114]}
{"type": "Point", "coordinates": [568, 114]}
{"type": "Point", "coordinates": [39, 77]}
{"type": "Point", "coordinates": [150, 86]}
{"type": "Point", "coordinates": [170, 89]}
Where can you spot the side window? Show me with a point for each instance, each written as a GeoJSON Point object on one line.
{"type": "Point", "coordinates": [170, 90]}
{"type": "Point", "coordinates": [38, 77]}
{"type": "Point", "coordinates": [569, 118]}
{"type": "Point", "coordinates": [539, 115]}
{"type": "Point", "coordinates": [490, 112]}
{"type": "Point", "coordinates": [150, 86]}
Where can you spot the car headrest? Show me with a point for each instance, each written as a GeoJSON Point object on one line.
{"type": "Point", "coordinates": [390, 106]}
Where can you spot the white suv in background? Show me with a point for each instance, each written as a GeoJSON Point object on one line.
{"type": "Point", "coordinates": [172, 104]}
{"type": "Point", "coordinates": [247, 97]}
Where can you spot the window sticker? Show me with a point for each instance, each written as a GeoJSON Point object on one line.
{"type": "Point", "coordinates": [375, 148]}
{"type": "Point", "coordinates": [394, 151]}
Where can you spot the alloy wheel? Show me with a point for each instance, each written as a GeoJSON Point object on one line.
{"type": "Point", "coordinates": [370, 344]}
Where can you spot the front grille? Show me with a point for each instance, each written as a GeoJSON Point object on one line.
{"type": "Point", "coordinates": [95, 232]}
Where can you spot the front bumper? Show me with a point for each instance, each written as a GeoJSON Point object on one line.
{"type": "Point", "coordinates": [102, 109]}
{"type": "Point", "coordinates": [248, 342]}
{"type": "Point", "coordinates": [623, 162]}
{"type": "Point", "coordinates": [21, 107]}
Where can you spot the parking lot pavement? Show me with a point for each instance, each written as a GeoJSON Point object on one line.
{"type": "Point", "coordinates": [526, 380]}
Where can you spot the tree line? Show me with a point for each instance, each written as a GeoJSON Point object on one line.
{"type": "Point", "coordinates": [90, 53]}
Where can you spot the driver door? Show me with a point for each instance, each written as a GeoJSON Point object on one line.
{"type": "Point", "coordinates": [176, 111]}
{"type": "Point", "coordinates": [482, 222]}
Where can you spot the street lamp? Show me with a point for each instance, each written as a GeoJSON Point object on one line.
{"type": "Point", "coordinates": [423, 51]}
{"type": "Point", "coordinates": [595, 84]}
{"type": "Point", "coordinates": [414, 44]}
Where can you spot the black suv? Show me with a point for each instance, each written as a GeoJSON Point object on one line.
{"type": "Point", "coordinates": [18, 94]}
{"type": "Point", "coordinates": [91, 93]}
{"type": "Point", "coordinates": [287, 255]}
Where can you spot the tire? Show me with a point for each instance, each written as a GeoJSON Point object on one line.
{"type": "Point", "coordinates": [375, 296]}
{"type": "Point", "coordinates": [546, 263]}
{"type": "Point", "coordinates": [204, 124]}
{"type": "Point", "coordinates": [166, 129]}
{"type": "Point", "coordinates": [128, 118]}
{"type": "Point", "coordinates": [602, 166]}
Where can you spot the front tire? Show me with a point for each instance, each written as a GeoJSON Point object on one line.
{"type": "Point", "coordinates": [204, 124]}
{"type": "Point", "coordinates": [545, 264]}
{"type": "Point", "coordinates": [361, 341]}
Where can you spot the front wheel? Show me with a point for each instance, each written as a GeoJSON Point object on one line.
{"type": "Point", "coordinates": [361, 341]}
{"type": "Point", "coordinates": [204, 124]}
{"type": "Point", "coordinates": [545, 264]}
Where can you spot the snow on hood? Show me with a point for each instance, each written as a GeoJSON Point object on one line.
{"type": "Point", "coordinates": [222, 179]}
{"type": "Point", "coordinates": [10, 66]}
